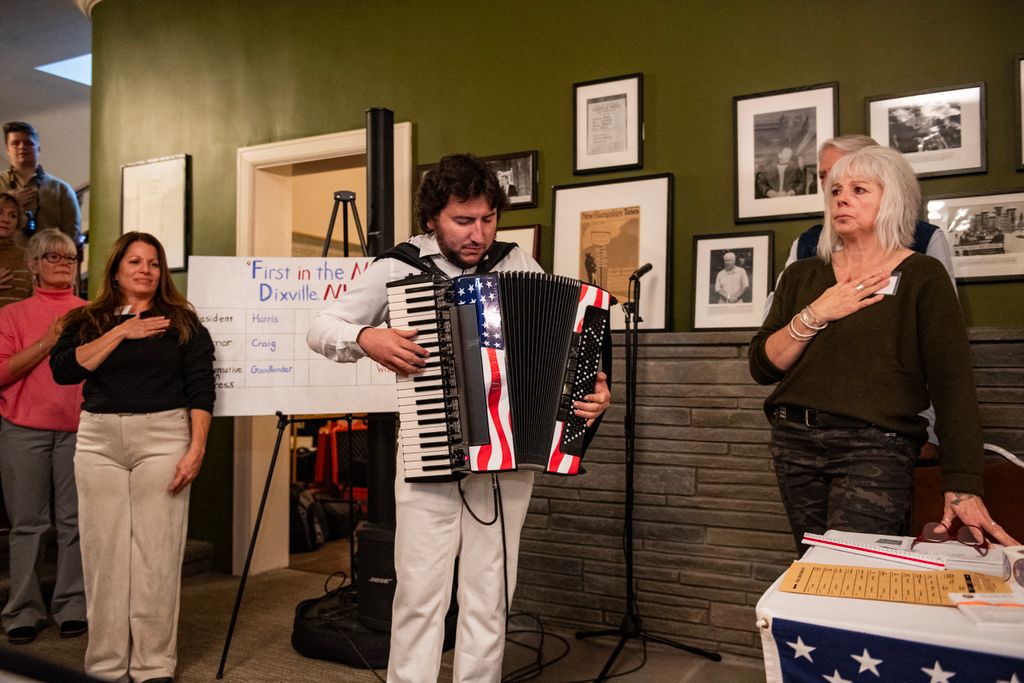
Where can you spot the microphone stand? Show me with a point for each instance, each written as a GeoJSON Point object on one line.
{"type": "Point", "coordinates": [631, 626]}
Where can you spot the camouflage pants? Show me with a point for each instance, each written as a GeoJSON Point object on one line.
{"type": "Point", "coordinates": [846, 479]}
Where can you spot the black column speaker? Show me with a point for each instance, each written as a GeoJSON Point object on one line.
{"type": "Point", "coordinates": [380, 180]}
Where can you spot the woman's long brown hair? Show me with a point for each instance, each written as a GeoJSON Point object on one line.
{"type": "Point", "coordinates": [102, 314]}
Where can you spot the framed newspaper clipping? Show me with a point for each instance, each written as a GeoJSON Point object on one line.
{"type": "Point", "coordinates": [608, 124]}
{"type": "Point", "coordinates": [606, 230]}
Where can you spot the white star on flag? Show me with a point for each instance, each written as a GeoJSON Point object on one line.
{"type": "Point", "coordinates": [937, 674]}
{"type": "Point", "coordinates": [867, 663]}
{"type": "Point", "coordinates": [836, 678]}
{"type": "Point", "coordinates": [801, 649]}
{"type": "Point", "coordinates": [1013, 679]}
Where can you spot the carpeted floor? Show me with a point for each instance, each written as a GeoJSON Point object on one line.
{"type": "Point", "coordinates": [261, 646]}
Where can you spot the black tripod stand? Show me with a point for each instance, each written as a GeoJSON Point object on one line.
{"type": "Point", "coordinates": [631, 628]}
{"type": "Point", "coordinates": [349, 200]}
{"type": "Point", "coordinates": [282, 423]}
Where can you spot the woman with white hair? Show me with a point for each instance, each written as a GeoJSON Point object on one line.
{"type": "Point", "coordinates": [857, 339]}
{"type": "Point", "coordinates": [37, 444]}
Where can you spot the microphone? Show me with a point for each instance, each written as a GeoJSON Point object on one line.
{"type": "Point", "coordinates": [641, 271]}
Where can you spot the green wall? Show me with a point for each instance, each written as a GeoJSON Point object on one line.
{"type": "Point", "coordinates": [206, 78]}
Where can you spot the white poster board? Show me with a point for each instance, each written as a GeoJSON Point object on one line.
{"type": "Point", "coordinates": [257, 310]}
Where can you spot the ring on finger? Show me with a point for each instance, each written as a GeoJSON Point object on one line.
{"type": "Point", "coordinates": [859, 287]}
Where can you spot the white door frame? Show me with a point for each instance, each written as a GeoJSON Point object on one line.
{"type": "Point", "coordinates": [263, 228]}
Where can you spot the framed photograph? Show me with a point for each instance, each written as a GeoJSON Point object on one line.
{"type": "Point", "coordinates": [776, 136]}
{"type": "Point", "coordinates": [156, 198]}
{"type": "Point", "coordinates": [985, 233]}
{"type": "Point", "coordinates": [516, 172]}
{"type": "Point", "coordinates": [1018, 103]}
{"type": "Point", "coordinates": [606, 230]}
{"type": "Point", "coordinates": [608, 124]}
{"type": "Point", "coordinates": [941, 132]}
{"type": "Point", "coordinates": [732, 277]}
{"type": "Point", "coordinates": [526, 236]}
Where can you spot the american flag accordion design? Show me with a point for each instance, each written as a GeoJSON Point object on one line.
{"type": "Point", "coordinates": [509, 353]}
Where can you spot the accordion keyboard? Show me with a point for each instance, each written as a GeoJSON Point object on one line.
{"type": "Point", "coordinates": [427, 401]}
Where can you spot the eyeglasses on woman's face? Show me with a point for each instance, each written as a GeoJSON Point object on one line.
{"type": "Point", "coordinates": [54, 257]}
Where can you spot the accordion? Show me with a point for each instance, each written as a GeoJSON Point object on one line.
{"type": "Point", "coordinates": [509, 353]}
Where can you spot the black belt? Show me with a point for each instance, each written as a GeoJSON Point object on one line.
{"type": "Point", "coordinates": [815, 418]}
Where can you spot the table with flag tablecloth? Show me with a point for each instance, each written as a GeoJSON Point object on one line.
{"type": "Point", "coordinates": [817, 638]}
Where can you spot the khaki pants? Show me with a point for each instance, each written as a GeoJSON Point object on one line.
{"type": "Point", "coordinates": [133, 539]}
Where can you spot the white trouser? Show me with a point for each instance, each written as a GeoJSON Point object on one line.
{"type": "Point", "coordinates": [432, 530]}
{"type": "Point", "coordinates": [133, 540]}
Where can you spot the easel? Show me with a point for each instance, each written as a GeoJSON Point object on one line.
{"type": "Point", "coordinates": [345, 199]}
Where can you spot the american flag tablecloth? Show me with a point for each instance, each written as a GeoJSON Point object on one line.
{"type": "Point", "coordinates": [817, 638]}
{"type": "Point", "coordinates": [808, 652]}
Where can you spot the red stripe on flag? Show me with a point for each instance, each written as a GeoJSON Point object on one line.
{"type": "Point", "coordinates": [556, 455]}
{"type": "Point", "coordinates": [494, 394]}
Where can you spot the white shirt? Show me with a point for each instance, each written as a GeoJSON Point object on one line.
{"type": "Point", "coordinates": [332, 332]}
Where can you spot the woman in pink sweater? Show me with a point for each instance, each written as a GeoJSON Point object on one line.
{"type": "Point", "coordinates": [37, 444]}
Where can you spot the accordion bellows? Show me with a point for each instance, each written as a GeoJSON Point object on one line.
{"type": "Point", "coordinates": [510, 352]}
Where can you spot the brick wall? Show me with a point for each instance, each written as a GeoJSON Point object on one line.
{"type": "Point", "coordinates": [710, 534]}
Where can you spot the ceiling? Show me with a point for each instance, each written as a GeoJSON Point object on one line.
{"type": "Point", "coordinates": [38, 32]}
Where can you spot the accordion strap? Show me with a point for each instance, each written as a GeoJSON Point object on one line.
{"type": "Point", "coordinates": [409, 254]}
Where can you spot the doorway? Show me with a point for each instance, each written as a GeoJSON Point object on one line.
{"type": "Point", "coordinates": [278, 214]}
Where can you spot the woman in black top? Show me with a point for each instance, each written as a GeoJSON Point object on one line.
{"type": "Point", "coordinates": [147, 363]}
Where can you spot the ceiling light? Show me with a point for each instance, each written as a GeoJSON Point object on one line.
{"type": "Point", "coordinates": [77, 69]}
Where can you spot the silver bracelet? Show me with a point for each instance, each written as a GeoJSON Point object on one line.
{"type": "Point", "coordinates": [808, 318]}
{"type": "Point", "coordinates": [815, 318]}
{"type": "Point", "coordinates": [798, 336]}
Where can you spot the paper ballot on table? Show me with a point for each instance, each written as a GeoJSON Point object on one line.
{"type": "Point", "coordinates": [891, 585]}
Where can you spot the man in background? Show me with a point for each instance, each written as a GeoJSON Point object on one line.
{"type": "Point", "coordinates": [731, 283]}
{"type": "Point", "coordinates": [46, 201]}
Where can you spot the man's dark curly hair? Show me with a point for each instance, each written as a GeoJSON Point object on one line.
{"type": "Point", "coordinates": [462, 176]}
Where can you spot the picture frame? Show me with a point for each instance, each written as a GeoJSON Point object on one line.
{"type": "Point", "coordinates": [776, 136]}
{"type": "Point", "coordinates": [941, 131]}
{"type": "Point", "coordinates": [526, 236]}
{"type": "Point", "coordinates": [605, 230]}
{"type": "Point", "coordinates": [985, 233]}
{"type": "Point", "coordinates": [1018, 103]}
{"type": "Point", "coordinates": [608, 124]}
{"type": "Point", "coordinates": [517, 171]}
{"type": "Point", "coordinates": [156, 197]}
{"type": "Point", "coordinates": [732, 275]}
